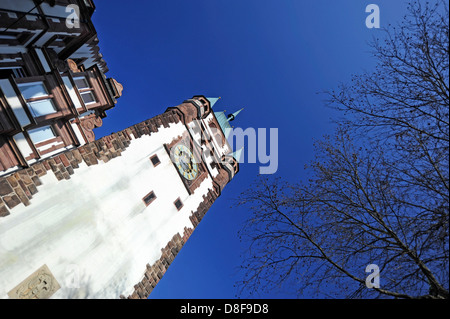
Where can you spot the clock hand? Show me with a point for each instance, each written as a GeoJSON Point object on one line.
{"type": "Point", "coordinates": [183, 164]}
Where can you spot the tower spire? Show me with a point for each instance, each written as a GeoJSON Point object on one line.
{"type": "Point", "coordinates": [237, 154]}
{"type": "Point", "coordinates": [232, 116]}
{"type": "Point", "coordinates": [213, 100]}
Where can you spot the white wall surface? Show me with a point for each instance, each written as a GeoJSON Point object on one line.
{"type": "Point", "coordinates": [95, 226]}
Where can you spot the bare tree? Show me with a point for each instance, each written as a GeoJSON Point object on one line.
{"type": "Point", "coordinates": [378, 191]}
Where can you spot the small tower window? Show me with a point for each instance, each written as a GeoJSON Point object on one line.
{"type": "Point", "coordinates": [155, 160]}
{"type": "Point", "coordinates": [149, 198]}
{"type": "Point", "coordinates": [178, 203]}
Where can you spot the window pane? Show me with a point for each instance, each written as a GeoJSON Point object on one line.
{"type": "Point", "coordinates": [155, 160]}
{"type": "Point", "coordinates": [30, 90]}
{"type": "Point", "coordinates": [81, 83]}
{"type": "Point", "coordinates": [41, 134]}
{"type": "Point", "coordinates": [42, 107]}
{"type": "Point", "coordinates": [18, 73]}
{"type": "Point", "coordinates": [7, 37]}
{"type": "Point", "coordinates": [150, 197]}
{"type": "Point", "coordinates": [88, 97]}
{"type": "Point", "coordinates": [178, 204]}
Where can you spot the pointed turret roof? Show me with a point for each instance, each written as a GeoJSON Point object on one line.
{"type": "Point", "coordinates": [223, 122]}
{"type": "Point", "coordinates": [213, 100]}
{"type": "Point", "coordinates": [222, 118]}
{"type": "Point", "coordinates": [237, 154]}
{"type": "Point", "coordinates": [232, 116]}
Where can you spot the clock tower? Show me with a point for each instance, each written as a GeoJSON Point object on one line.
{"type": "Point", "coordinates": [106, 219]}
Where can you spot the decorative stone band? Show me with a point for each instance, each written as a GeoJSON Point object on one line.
{"type": "Point", "coordinates": [20, 186]}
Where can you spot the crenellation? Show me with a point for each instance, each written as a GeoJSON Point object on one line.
{"type": "Point", "coordinates": [22, 196]}
{"type": "Point", "coordinates": [32, 189]}
{"type": "Point", "coordinates": [46, 165]}
{"type": "Point", "coordinates": [6, 185]}
{"type": "Point", "coordinates": [3, 210]}
{"type": "Point", "coordinates": [57, 160]}
{"type": "Point", "coordinates": [70, 170]}
{"type": "Point", "coordinates": [21, 178]}
{"type": "Point", "coordinates": [64, 160]}
{"type": "Point", "coordinates": [39, 171]}
{"type": "Point", "coordinates": [36, 180]}
{"type": "Point", "coordinates": [11, 200]}
{"type": "Point", "coordinates": [59, 175]}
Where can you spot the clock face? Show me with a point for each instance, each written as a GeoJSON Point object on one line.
{"type": "Point", "coordinates": [185, 162]}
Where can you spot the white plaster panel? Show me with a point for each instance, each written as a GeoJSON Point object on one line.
{"type": "Point", "coordinates": [14, 102]}
{"type": "Point", "coordinates": [78, 133]}
{"type": "Point", "coordinates": [70, 89]}
{"type": "Point", "coordinates": [43, 60]}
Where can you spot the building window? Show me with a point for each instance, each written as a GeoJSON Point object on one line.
{"type": "Point", "coordinates": [19, 73]}
{"type": "Point", "coordinates": [149, 198]}
{"type": "Point", "coordinates": [155, 160]}
{"type": "Point", "coordinates": [16, 72]}
{"type": "Point", "coordinates": [11, 38]}
{"type": "Point", "coordinates": [86, 92]}
{"type": "Point", "coordinates": [178, 203]}
{"type": "Point", "coordinates": [38, 99]}
{"type": "Point", "coordinates": [41, 134]}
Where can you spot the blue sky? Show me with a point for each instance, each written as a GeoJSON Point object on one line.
{"type": "Point", "coordinates": [272, 57]}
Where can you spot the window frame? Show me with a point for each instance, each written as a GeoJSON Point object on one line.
{"type": "Point", "coordinates": [16, 72]}
{"type": "Point", "coordinates": [37, 146]}
{"type": "Point", "coordinates": [38, 98]}
{"type": "Point", "coordinates": [22, 82]}
{"type": "Point", "coordinates": [147, 203]}
{"type": "Point", "coordinates": [153, 157]}
{"type": "Point", "coordinates": [30, 131]}
{"type": "Point", "coordinates": [89, 89]}
{"type": "Point", "coordinates": [181, 202]}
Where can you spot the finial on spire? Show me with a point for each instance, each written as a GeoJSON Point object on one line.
{"type": "Point", "coordinates": [232, 116]}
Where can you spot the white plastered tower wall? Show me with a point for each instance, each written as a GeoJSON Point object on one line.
{"type": "Point", "coordinates": [93, 231]}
